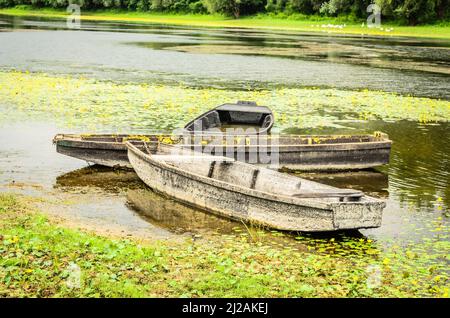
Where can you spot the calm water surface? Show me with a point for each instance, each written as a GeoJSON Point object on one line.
{"type": "Point", "coordinates": [416, 184]}
{"type": "Point", "coordinates": [226, 58]}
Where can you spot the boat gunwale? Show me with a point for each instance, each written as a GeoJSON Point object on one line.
{"type": "Point", "coordinates": [71, 135]}
{"type": "Point", "coordinates": [262, 131]}
{"type": "Point", "coordinates": [78, 142]}
{"type": "Point", "coordinates": [305, 202]}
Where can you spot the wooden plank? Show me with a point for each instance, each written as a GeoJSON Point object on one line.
{"type": "Point", "coordinates": [356, 194]}
{"type": "Point", "coordinates": [188, 158]}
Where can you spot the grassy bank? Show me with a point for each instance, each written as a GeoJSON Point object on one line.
{"type": "Point", "coordinates": [311, 24]}
{"type": "Point", "coordinates": [40, 258]}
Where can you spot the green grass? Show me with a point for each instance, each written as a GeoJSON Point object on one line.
{"type": "Point", "coordinates": [261, 21]}
{"type": "Point", "coordinates": [41, 259]}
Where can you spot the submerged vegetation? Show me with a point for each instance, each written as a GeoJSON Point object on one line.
{"type": "Point", "coordinates": [40, 258]}
{"type": "Point", "coordinates": [91, 104]}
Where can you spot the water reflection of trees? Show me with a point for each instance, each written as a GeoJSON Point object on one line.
{"type": "Point", "coordinates": [419, 169]}
{"type": "Point", "coordinates": [369, 181]}
{"type": "Point", "coordinates": [420, 165]}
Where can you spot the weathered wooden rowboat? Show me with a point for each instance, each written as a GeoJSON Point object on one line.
{"type": "Point", "coordinates": [296, 152]}
{"type": "Point", "coordinates": [231, 117]}
{"type": "Point", "coordinates": [252, 194]}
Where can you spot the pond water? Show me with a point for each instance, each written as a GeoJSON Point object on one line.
{"type": "Point", "coordinates": [415, 185]}
{"type": "Point", "coordinates": [230, 58]}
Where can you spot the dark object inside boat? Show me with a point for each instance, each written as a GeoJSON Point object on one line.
{"type": "Point", "coordinates": [240, 118]}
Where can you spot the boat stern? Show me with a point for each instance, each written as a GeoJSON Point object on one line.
{"type": "Point", "coordinates": [358, 215]}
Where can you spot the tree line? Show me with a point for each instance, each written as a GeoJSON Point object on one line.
{"type": "Point", "coordinates": [410, 12]}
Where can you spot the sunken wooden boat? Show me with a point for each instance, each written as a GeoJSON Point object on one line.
{"type": "Point", "coordinates": [253, 194]}
{"type": "Point", "coordinates": [295, 152]}
{"type": "Point", "coordinates": [243, 117]}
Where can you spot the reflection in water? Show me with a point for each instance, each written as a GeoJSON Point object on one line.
{"type": "Point", "coordinates": [95, 197]}
{"type": "Point", "coordinates": [98, 177]}
{"type": "Point", "coordinates": [420, 164]}
{"type": "Point", "coordinates": [175, 216]}
{"type": "Point", "coordinates": [338, 50]}
{"type": "Point", "coordinates": [154, 208]}
{"type": "Point", "coordinates": [419, 168]}
{"type": "Point", "coordinates": [371, 182]}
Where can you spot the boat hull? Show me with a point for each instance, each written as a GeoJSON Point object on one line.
{"type": "Point", "coordinates": [317, 157]}
{"type": "Point", "coordinates": [265, 210]}
{"type": "Point", "coordinates": [109, 154]}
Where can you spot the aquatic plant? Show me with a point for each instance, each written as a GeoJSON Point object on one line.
{"type": "Point", "coordinates": [39, 258]}
{"type": "Point", "coordinates": [93, 105]}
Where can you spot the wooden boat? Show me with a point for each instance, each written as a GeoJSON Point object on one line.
{"type": "Point", "coordinates": [252, 194]}
{"type": "Point", "coordinates": [295, 152]}
{"type": "Point", "coordinates": [242, 115]}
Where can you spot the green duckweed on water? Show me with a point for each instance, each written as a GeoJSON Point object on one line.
{"type": "Point", "coordinates": [92, 105]}
{"type": "Point", "coordinates": [39, 258]}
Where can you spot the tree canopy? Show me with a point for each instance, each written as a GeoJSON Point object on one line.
{"type": "Point", "coordinates": [405, 11]}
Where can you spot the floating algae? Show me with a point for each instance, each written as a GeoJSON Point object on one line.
{"type": "Point", "coordinates": [92, 105]}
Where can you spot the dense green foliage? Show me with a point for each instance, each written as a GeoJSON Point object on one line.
{"type": "Point", "coordinates": [405, 11]}
{"type": "Point", "coordinates": [41, 259]}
